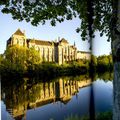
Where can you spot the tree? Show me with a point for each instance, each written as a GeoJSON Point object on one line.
{"type": "Point", "coordinates": [1, 59]}
{"type": "Point", "coordinates": [105, 63]}
{"type": "Point", "coordinates": [36, 12]}
{"type": "Point", "coordinates": [20, 58]}
{"type": "Point", "coordinates": [33, 58]}
{"type": "Point", "coordinates": [15, 59]}
{"type": "Point", "coordinates": [94, 60]}
{"type": "Point", "coordinates": [101, 15]}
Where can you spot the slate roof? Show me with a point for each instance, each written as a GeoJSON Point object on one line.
{"type": "Point", "coordinates": [40, 42]}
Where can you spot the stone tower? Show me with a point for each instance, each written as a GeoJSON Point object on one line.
{"type": "Point", "coordinates": [18, 38]}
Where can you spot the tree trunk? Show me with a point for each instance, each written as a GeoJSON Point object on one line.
{"type": "Point", "coordinates": [115, 30]}
{"type": "Point", "coordinates": [116, 84]}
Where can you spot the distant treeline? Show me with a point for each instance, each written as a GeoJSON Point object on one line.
{"type": "Point", "coordinates": [20, 61]}
{"type": "Point", "coordinates": [101, 63]}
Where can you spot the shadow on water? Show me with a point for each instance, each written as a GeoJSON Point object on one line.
{"type": "Point", "coordinates": [58, 98]}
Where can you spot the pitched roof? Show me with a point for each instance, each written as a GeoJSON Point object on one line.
{"type": "Point", "coordinates": [40, 42]}
{"type": "Point", "coordinates": [18, 32]}
{"type": "Point", "coordinates": [63, 40]}
{"type": "Point", "coordinates": [84, 52]}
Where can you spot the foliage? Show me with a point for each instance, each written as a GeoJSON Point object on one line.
{"type": "Point", "coordinates": [53, 69]}
{"type": "Point", "coordinates": [93, 60]}
{"type": "Point", "coordinates": [100, 116]}
{"type": "Point", "coordinates": [26, 89]}
{"type": "Point", "coordinates": [94, 15]}
{"type": "Point", "coordinates": [101, 63]}
{"type": "Point", "coordinates": [15, 58]}
{"type": "Point", "coordinates": [33, 58]}
{"type": "Point", "coordinates": [106, 76]}
{"type": "Point", "coordinates": [104, 116]}
{"type": "Point", "coordinates": [93, 64]}
{"type": "Point", "coordinates": [93, 12]}
{"type": "Point", "coordinates": [15, 62]}
{"type": "Point", "coordinates": [77, 118]}
{"type": "Point", "coordinates": [1, 62]}
{"type": "Point", "coordinates": [1, 58]}
{"type": "Point", "coordinates": [105, 63]}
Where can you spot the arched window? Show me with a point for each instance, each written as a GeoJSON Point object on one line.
{"type": "Point", "coordinates": [24, 42]}
{"type": "Point", "coordinates": [17, 41]}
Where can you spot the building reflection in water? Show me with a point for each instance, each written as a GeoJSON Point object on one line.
{"type": "Point", "coordinates": [20, 98]}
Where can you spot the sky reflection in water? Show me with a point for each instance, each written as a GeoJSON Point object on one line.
{"type": "Point", "coordinates": [57, 99]}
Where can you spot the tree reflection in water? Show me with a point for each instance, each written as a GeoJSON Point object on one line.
{"type": "Point", "coordinates": [30, 93]}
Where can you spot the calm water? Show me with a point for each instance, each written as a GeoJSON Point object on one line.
{"type": "Point", "coordinates": [55, 100]}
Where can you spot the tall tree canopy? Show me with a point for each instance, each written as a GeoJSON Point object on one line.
{"type": "Point", "coordinates": [96, 12]}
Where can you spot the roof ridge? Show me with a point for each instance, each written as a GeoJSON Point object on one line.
{"type": "Point", "coordinates": [19, 32]}
{"type": "Point", "coordinates": [39, 40]}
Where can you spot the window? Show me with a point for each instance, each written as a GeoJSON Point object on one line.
{"type": "Point", "coordinates": [17, 41]}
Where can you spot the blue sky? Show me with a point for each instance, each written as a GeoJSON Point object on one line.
{"type": "Point", "coordinates": [46, 32]}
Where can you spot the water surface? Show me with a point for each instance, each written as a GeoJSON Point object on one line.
{"type": "Point", "coordinates": [54, 99]}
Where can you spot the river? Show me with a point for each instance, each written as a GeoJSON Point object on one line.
{"type": "Point", "coordinates": [55, 99]}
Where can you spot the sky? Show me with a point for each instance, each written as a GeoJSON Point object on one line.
{"type": "Point", "coordinates": [46, 32]}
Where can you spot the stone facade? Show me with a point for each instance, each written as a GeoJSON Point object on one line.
{"type": "Point", "coordinates": [50, 51]}
{"type": "Point", "coordinates": [83, 55]}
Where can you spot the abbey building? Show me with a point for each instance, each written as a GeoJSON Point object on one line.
{"type": "Point", "coordinates": [50, 51]}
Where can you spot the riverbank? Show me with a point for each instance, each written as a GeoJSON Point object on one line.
{"type": "Point", "coordinates": [13, 63]}
{"type": "Point", "coordinates": [46, 69]}
{"type": "Point", "coordinates": [52, 69]}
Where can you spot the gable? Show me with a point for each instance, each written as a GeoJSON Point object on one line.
{"type": "Point", "coordinates": [18, 32]}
